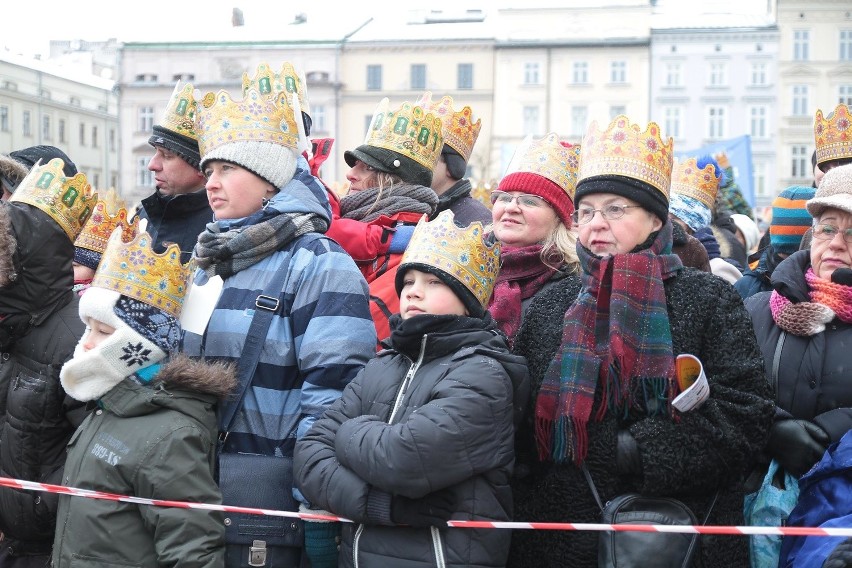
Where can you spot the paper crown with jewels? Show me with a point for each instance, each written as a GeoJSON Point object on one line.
{"type": "Point", "coordinates": [68, 201]}
{"type": "Point", "coordinates": [409, 130]}
{"type": "Point", "coordinates": [287, 80]}
{"type": "Point", "coordinates": [256, 118]}
{"type": "Point", "coordinates": [549, 158]}
{"type": "Point", "coordinates": [133, 269]}
{"type": "Point", "coordinates": [833, 135]}
{"type": "Point", "coordinates": [689, 180]}
{"type": "Point", "coordinates": [179, 116]}
{"type": "Point", "coordinates": [623, 149]}
{"type": "Point", "coordinates": [97, 230]}
{"type": "Point", "coordinates": [461, 252]}
{"type": "Point", "coordinates": [460, 132]}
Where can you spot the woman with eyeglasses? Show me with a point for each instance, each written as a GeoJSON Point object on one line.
{"type": "Point", "coordinates": [804, 327]}
{"type": "Point", "coordinates": [602, 369]}
{"type": "Point", "coordinates": [531, 212]}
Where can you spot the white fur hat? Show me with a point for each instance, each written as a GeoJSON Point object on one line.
{"type": "Point", "coordinates": [834, 191]}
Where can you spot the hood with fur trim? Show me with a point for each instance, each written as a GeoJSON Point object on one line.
{"type": "Point", "coordinates": [12, 171]}
{"type": "Point", "coordinates": [204, 377]}
{"type": "Point", "coordinates": [8, 243]}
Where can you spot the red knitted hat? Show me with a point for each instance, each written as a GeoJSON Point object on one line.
{"type": "Point", "coordinates": [535, 184]}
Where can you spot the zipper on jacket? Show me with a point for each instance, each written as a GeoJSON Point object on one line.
{"type": "Point", "coordinates": [438, 547]}
{"type": "Point", "coordinates": [397, 403]}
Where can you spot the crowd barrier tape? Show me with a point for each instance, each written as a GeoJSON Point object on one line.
{"type": "Point", "coordinates": [600, 527]}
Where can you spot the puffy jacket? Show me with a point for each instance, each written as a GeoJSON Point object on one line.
{"type": "Point", "coordinates": [759, 278]}
{"type": "Point", "coordinates": [176, 219]}
{"type": "Point", "coordinates": [37, 419]}
{"type": "Point", "coordinates": [435, 411]}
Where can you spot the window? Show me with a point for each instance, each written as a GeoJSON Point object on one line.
{"type": "Point", "coordinates": [716, 122]}
{"type": "Point", "coordinates": [46, 133]}
{"type": "Point", "coordinates": [673, 75]}
{"type": "Point", "coordinates": [113, 181]}
{"type": "Point", "coordinates": [94, 137]}
{"type": "Point", "coordinates": [146, 78]}
{"type": "Point", "coordinates": [75, 101]}
{"type": "Point", "coordinates": [112, 144]}
{"type": "Point", "coordinates": [615, 110]}
{"type": "Point", "coordinates": [845, 45]}
{"type": "Point", "coordinates": [61, 130]}
{"type": "Point", "coordinates": [96, 181]}
{"type": "Point", "coordinates": [374, 77]}
{"type": "Point", "coordinates": [418, 76]}
{"type": "Point", "coordinates": [318, 117]}
{"type": "Point", "coordinates": [368, 120]}
{"type": "Point", "coordinates": [758, 74]}
{"type": "Point", "coordinates": [718, 76]}
{"type": "Point", "coordinates": [618, 72]}
{"type": "Point", "coordinates": [759, 178]}
{"type": "Point", "coordinates": [672, 121]}
{"type": "Point", "coordinates": [579, 118]}
{"type": "Point", "coordinates": [757, 122]}
{"type": "Point", "coordinates": [581, 73]}
{"type": "Point", "coordinates": [146, 119]}
{"type": "Point", "coordinates": [531, 74]}
{"type": "Point", "coordinates": [186, 77]}
{"type": "Point", "coordinates": [800, 100]}
{"type": "Point", "coordinates": [144, 176]}
{"type": "Point", "coordinates": [4, 119]}
{"type": "Point", "coordinates": [800, 162]}
{"type": "Point", "coordinates": [801, 41]}
{"type": "Point", "coordinates": [82, 134]}
{"type": "Point", "coordinates": [531, 120]}
{"type": "Point", "coordinates": [26, 125]}
{"type": "Point", "coordinates": [844, 94]}
{"type": "Point", "coordinates": [465, 76]}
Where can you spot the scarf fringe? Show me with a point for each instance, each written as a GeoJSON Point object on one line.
{"type": "Point", "coordinates": [563, 440]}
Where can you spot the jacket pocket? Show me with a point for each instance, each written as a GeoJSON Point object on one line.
{"type": "Point", "coordinates": [79, 561]}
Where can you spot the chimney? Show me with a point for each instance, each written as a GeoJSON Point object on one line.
{"type": "Point", "coordinates": [237, 18]}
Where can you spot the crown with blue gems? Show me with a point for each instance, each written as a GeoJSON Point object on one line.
{"type": "Point", "coordinates": [97, 230]}
{"type": "Point", "coordinates": [410, 130]}
{"type": "Point", "coordinates": [461, 252]}
{"type": "Point", "coordinates": [624, 149]}
{"type": "Point", "coordinates": [690, 180]}
{"type": "Point", "coordinates": [133, 269]}
{"type": "Point", "coordinates": [833, 134]}
{"type": "Point", "coordinates": [68, 201]}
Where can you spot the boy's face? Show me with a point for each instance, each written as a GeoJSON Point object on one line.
{"type": "Point", "coordinates": [98, 332]}
{"type": "Point", "coordinates": [82, 272]}
{"type": "Point", "coordinates": [425, 293]}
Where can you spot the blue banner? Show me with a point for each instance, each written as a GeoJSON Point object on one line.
{"type": "Point", "coordinates": [738, 151]}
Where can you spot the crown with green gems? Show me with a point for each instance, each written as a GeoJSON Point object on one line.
{"type": "Point", "coordinates": [410, 130]}
{"type": "Point", "coordinates": [286, 80]}
{"type": "Point", "coordinates": [180, 112]}
{"type": "Point", "coordinates": [68, 201]}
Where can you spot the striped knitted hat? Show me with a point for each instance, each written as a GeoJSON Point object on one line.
{"type": "Point", "coordinates": [790, 218]}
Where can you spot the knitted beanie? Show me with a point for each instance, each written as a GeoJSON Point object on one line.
{"type": "Point", "coordinates": [273, 162]}
{"type": "Point", "coordinates": [695, 214]}
{"type": "Point", "coordinates": [835, 192]}
{"type": "Point", "coordinates": [749, 229]}
{"type": "Point", "coordinates": [185, 147]}
{"type": "Point", "coordinates": [649, 197]}
{"type": "Point", "coordinates": [535, 184]}
{"type": "Point", "coordinates": [43, 154]}
{"type": "Point", "coordinates": [390, 162]}
{"type": "Point", "coordinates": [474, 308]}
{"type": "Point", "coordinates": [790, 218]}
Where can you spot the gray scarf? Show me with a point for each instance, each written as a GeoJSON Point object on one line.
{"type": "Point", "coordinates": [401, 198]}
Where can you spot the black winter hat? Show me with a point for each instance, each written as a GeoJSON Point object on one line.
{"type": "Point", "coordinates": [455, 163]}
{"type": "Point", "coordinates": [31, 156]}
{"type": "Point", "coordinates": [649, 197]}
{"type": "Point", "coordinates": [185, 147]}
{"type": "Point", "coordinates": [390, 162]}
{"type": "Point", "coordinates": [467, 298]}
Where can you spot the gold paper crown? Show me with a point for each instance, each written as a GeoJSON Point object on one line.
{"type": "Point", "coordinates": [623, 149]}
{"type": "Point", "coordinates": [689, 180]}
{"type": "Point", "coordinates": [97, 230]}
{"type": "Point", "coordinates": [135, 270]}
{"type": "Point", "coordinates": [549, 158]}
{"type": "Point", "coordinates": [180, 112]}
{"type": "Point", "coordinates": [69, 201]}
{"type": "Point", "coordinates": [460, 132]}
{"type": "Point", "coordinates": [409, 130]}
{"type": "Point", "coordinates": [461, 252]}
{"type": "Point", "coordinates": [256, 118]}
{"type": "Point", "coordinates": [833, 135]}
{"type": "Point", "coordinates": [268, 82]}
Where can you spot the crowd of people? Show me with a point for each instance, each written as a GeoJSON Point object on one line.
{"type": "Point", "coordinates": [402, 355]}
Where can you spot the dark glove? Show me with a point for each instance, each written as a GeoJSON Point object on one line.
{"type": "Point", "coordinates": [433, 510]}
{"type": "Point", "coordinates": [797, 444]}
{"type": "Point", "coordinates": [321, 539]}
{"type": "Point", "coordinates": [840, 557]}
{"type": "Point", "coordinates": [628, 460]}
{"type": "Point", "coordinates": [842, 276]}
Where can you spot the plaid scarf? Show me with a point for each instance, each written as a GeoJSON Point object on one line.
{"type": "Point", "coordinates": [617, 338]}
{"type": "Point", "coordinates": [234, 250]}
{"type": "Point", "coordinates": [522, 274]}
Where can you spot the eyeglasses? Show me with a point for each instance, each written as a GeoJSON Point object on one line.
{"type": "Point", "coordinates": [827, 233]}
{"type": "Point", "coordinates": [610, 212]}
{"type": "Point", "coordinates": [525, 200]}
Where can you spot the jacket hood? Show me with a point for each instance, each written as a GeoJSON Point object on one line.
{"type": "Point", "coordinates": [12, 171]}
{"type": "Point", "coordinates": [789, 276]}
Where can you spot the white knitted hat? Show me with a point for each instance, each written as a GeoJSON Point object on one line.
{"type": "Point", "coordinates": [273, 162]}
{"type": "Point", "coordinates": [834, 191]}
{"type": "Point", "coordinates": [749, 230]}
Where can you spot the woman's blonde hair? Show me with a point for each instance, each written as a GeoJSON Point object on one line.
{"type": "Point", "coordinates": [384, 182]}
{"type": "Point", "coordinates": [559, 249]}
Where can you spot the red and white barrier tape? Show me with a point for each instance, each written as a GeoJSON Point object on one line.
{"type": "Point", "coordinates": [690, 529]}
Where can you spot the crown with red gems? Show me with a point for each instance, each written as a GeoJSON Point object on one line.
{"type": "Point", "coordinates": [689, 180]}
{"type": "Point", "coordinates": [97, 230]}
{"type": "Point", "coordinates": [833, 135]}
{"type": "Point", "coordinates": [267, 82]}
{"type": "Point", "coordinates": [410, 130]}
{"type": "Point", "coordinates": [461, 252]}
{"type": "Point", "coordinates": [180, 112]}
{"type": "Point", "coordinates": [68, 201]}
{"type": "Point", "coordinates": [460, 132]}
{"type": "Point", "coordinates": [549, 158]}
{"type": "Point", "coordinates": [624, 149]}
{"type": "Point", "coordinates": [133, 269]}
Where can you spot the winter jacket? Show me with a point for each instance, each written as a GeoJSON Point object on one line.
{"type": "Point", "coordinates": [690, 250]}
{"type": "Point", "coordinates": [814, 372]}
{"type": "Point", "coordinates": [710, 447]}
{"type": "Point", "coordinates": [434, 411]}
{"type": "Point", "coordinates": [158, 442]}
{"type": "Point", "coordinates": [465, 208]}
{"type": "Point", "coordinates": [176, 219]}
{"type": "Point", "coordinates": [758, 279]}
{"type": "Point", "coordinates": [37, 419]}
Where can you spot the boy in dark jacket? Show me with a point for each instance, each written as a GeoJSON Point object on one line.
{"type": "Point", "coordinates": [425, 432]}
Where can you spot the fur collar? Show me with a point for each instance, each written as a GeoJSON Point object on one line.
{"type": "Point", "coordinates": [8, 245]}
{"type": "Point", "coordinates": [12, 169]}
{"type": "Point", "coordinates": [215, 378]}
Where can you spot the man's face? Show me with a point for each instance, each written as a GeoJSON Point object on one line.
{"type": "Point", "coordinates": [172, 175]}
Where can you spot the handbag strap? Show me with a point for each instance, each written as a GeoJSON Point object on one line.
{"type": "Point", "coordinates": [776, 363]}
{"type": "Point", "coordinates": [266, 304]}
